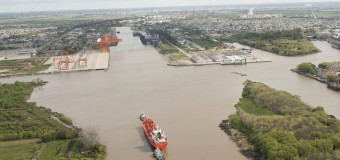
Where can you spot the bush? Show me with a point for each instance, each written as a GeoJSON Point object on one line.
{"type": "Point", "coordinates": [65, 119]}
{"type": "Point", "coordinates": [326, 65]}
{"type": "Point", "coordinates": [307, 68]}
{"type": "Point", "coordinates": [89, 138]}
{"type": "Point", "coordinates": [47, 137]}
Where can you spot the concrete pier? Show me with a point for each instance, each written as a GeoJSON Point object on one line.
{"type": "Point", "coordinates": [95, 61]}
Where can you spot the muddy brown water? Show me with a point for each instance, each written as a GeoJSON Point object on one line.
{"type": "Point", "coordinates": [187, 102]}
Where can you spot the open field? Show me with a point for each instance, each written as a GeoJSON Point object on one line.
{"type": "Point", "coordinates": [329, 13]}
{"type": "Point", "coordinates": [22, 66]}
{"type": "Point", "coordinates": [178, 56]}
{"type": "Point", "coordinates": [22, 149]}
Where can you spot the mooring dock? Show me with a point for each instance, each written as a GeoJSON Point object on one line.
{"type": "Point", "coordinates": [82, 61]}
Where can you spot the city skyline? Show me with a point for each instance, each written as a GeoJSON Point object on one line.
{"type": "Point", "coordinates": [55, 5]}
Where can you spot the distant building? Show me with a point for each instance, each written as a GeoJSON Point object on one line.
{"type": "Point", "coordinates": [251, 12]}
{"type": "Point", "coordinates": [334, 69]}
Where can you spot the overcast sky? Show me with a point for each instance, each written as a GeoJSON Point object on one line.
{"type": "Point", "coordinates": [44, 5]}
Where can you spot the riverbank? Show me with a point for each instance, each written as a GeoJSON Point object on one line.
{"type": "Point", "coordinates": [310, 76]}
{"type": "Point", "coordinates": [269, 122]}
{"type": "Point", "coordinates": [35, 132]}
{"type": "Point", "coordinates": [241, 139]}
{"type": "Point", "coordinates": [79, 62]}
{"type": "Point", "coordinates": [26, 66]}
{"type": "Point", "coordinates": [322, 80]}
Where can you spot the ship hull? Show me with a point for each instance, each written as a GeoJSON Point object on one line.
{"type": "Point", "coordinates": [161, 145]}
{"type": "Point", "coordinates": [152, 143]}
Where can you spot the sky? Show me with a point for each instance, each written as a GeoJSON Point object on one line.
{"type": "Point", "coordinates": [48, 5]}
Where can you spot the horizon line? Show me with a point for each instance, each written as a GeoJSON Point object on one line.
{"type": "Point", "coordinates": [126, 8]}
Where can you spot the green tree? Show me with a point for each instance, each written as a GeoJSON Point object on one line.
{"type": "Point", "coordinates": [307, 67]}
{"type": "Point", "coordinates": [331, 77]}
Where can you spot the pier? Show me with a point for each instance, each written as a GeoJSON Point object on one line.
{"type": "Point", "coordinates": [79, 62]}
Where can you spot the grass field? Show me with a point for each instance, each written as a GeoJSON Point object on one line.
{"type": "Point", "coordinates": [22, 149]}
{"type": "Point", "coordinates": [54, 150]}
{"type": "Point", "coordinates": [332, 13]}
{"type": "Point", "coordinates": [249, 106]}
{"type": "Point", "coordinates": [23, 66]}
{"type": "Point", "coordinates": [178, 56]}
{"type": "Point", "coordinates": [33, 149]}
{"type": "Point", "coordinates": [206, 42]}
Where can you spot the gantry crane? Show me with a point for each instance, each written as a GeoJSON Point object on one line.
{"type": "Point", "coordinates": [59, 58]}
{"type": "Point", "coordinates": [61, 61]}
{"type": "Point", "coordinates": [67, 61]}
{"type": "Point", "coordinates": [82, 59]}
{"type": "Point", "coordinates": [105, 42]}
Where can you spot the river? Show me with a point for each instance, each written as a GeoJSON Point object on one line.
{"type": "Point", "coordinates": [187, 102]}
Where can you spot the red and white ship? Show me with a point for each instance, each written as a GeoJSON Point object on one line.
{"type": "Point", "coordinates": [154, 134]}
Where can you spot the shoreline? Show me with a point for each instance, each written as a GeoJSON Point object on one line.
{"type": "Point", "coordinates": [310, 76]}
{"type": "Point", "coordinates": [217, 63]}
{"type": "Point", "coordinates": [240, 139]}
{"type": "Point", "coordinates": [50, 73]}
{"type": "Point", "coordinates": [329, 85]}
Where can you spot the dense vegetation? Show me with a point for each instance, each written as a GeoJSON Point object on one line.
{"type": "Point", "coordinates": [326, 65]}
{"type": "Point", "coordinates": [23, 66]}
{"type": "Point", "coordinates": [282, 127]}
{"type": "Point", "coordinates": [333, 78]}
{"type": "Point", "coordinates": [307, 68]}
{"type": "Point", "coordinates": [287, 43]}
{"type": "Point", "coordinates": [205, 42]}
{"type": "Point", "coordinates": [21, 120]}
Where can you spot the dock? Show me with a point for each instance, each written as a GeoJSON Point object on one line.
{"type": "Point", "coordinates": [90, 61]}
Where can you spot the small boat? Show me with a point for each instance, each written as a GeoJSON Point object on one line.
{"type": "Point", "coordinates": [154, 134]}
{"type": "Point", "coordinates": [159, 155]}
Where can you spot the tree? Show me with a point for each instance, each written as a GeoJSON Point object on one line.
{"type": "Point", "coordinates": [47, 137]}
{"type": "Point", "coordinates": [307, 67]}
{"type": "Point", "coordinates": [331, 77]}
{"type": "Point", "coordinates": [278, 145]}
{"type": "Point", "coordinates": [89, 138]}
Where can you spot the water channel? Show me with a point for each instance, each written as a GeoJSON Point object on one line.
{"type": "Point", "coordinates": [187, 102]}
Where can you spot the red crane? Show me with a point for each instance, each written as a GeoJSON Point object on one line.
{"type": "Point", "coordinates": [68, 59]}
{"type": "Point", "coordinates": [66, 63]}
{"type": "Point", "coordinates": [105, 42]}
{"type": "Point", "coordinates": [82, 59]}
{"type": "Point", "coordinates": [61, 53]}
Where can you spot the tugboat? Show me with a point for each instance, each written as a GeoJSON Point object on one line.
{"type": "Point", "coordinates": [154, 134]}
{"type": "Point", "coordinates": [159, 155]}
